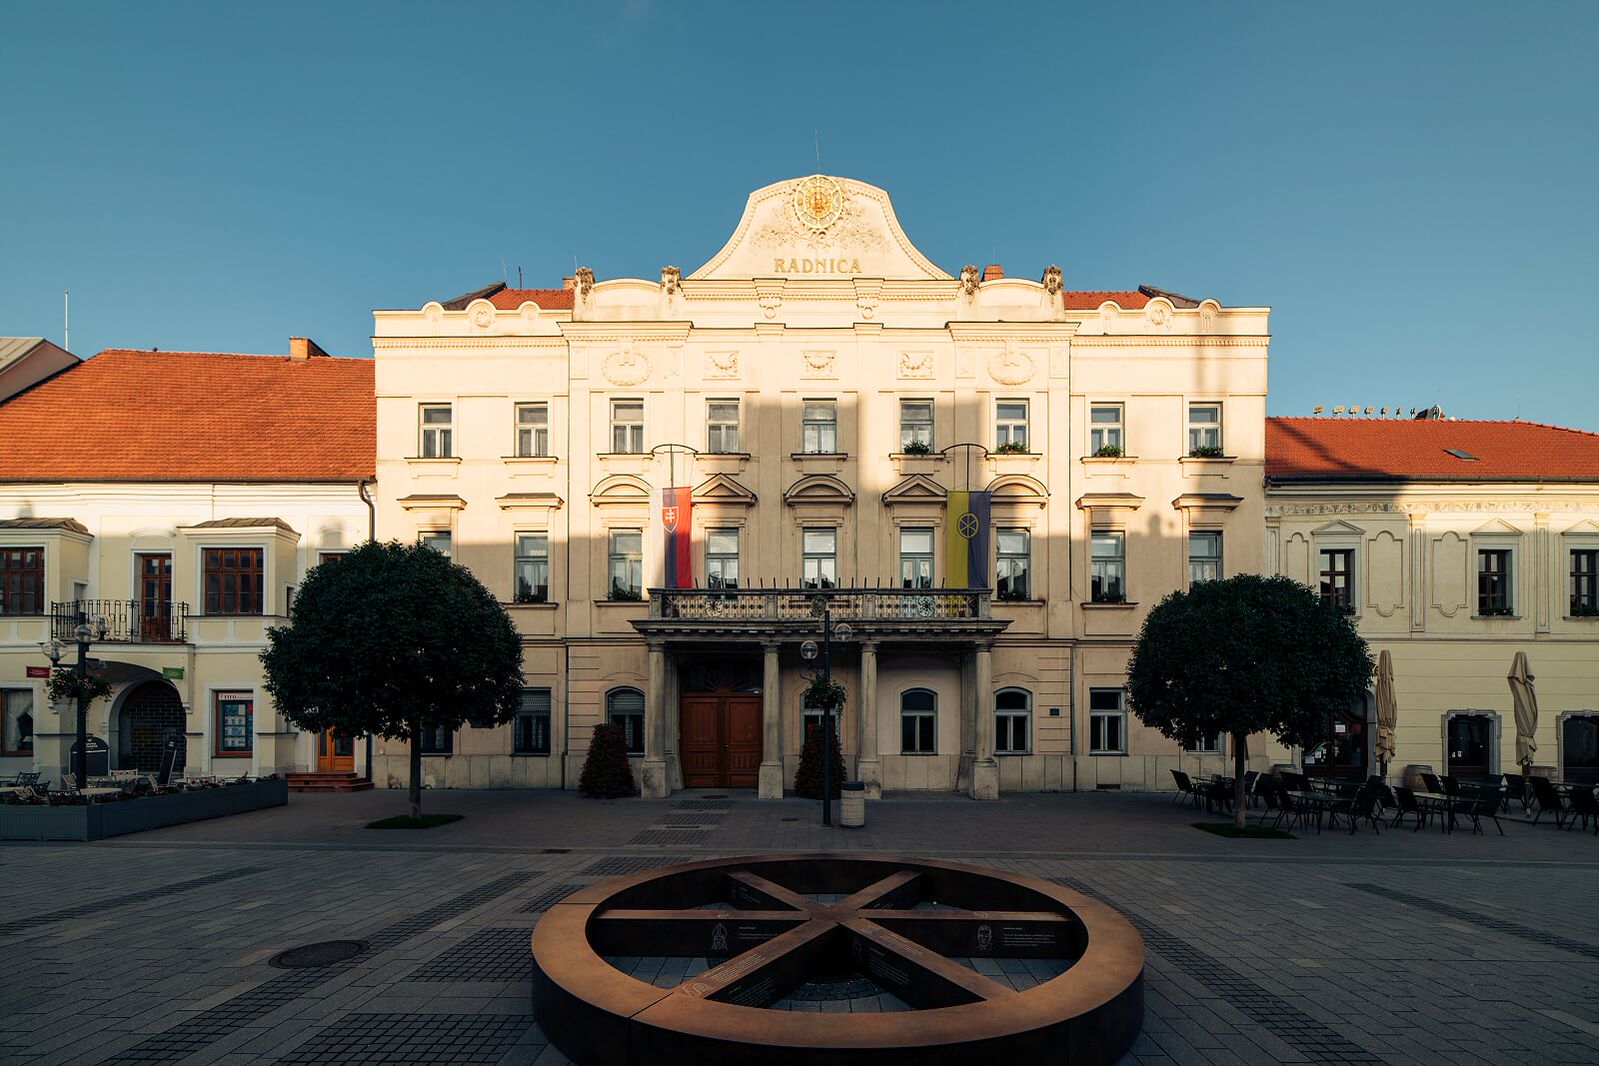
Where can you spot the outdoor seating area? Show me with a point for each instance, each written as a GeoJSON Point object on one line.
{"type": "Point", "coordinates": [1288, 799]}
{"type": "Point", "coordinates": [31, 788]}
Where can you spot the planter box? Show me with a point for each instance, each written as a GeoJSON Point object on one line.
{"type": "Point", "coordinates": [96, 821]}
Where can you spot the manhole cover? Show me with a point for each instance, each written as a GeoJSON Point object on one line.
{"type": "Point", "coordinates": [952, 964]}
{"type": "Point", "coordinates": [791, 818]}
{"type": "Point", "coordinates": [714, 796]}
{"type": "Point", "coordinates": [557, 851]}
{"type": "Point", "coordinates": [311, 956]}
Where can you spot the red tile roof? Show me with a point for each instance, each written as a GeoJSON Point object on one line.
{"type": "Point", "coordinates": [129, 415]}
{"type": "Point", "coordinates": [1090, 299]}
{"type": "Point", "coordinates": [547, 299]}
{"type": "Point", "coordinates": [1412, 449]}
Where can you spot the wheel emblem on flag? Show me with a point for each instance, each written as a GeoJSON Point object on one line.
{"type": "Point", "coordinates": [966, 525]}
{"type": "Point", "coordinates": [669, 519]}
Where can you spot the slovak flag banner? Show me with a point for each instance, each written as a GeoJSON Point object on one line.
{"type": "Point", "coordinates": [675, 507]}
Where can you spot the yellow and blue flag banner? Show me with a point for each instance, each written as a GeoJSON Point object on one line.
{"type": "Point", "coordinates": [966, 540]}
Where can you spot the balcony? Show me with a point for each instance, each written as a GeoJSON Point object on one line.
{"type": "Point", "coordinates": [767, 613]}
{"type": "Point", "coordinates": [127, 621]}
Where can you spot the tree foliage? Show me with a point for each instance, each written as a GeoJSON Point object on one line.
{"type": "Point", "coordinates": [1245, 655]}
{"type": "Point", "coordinates": [808, 778]}
{"type": "Point", "coordinates": [606, 773]}
{"type": "Point", "coordinates": [391, 639]}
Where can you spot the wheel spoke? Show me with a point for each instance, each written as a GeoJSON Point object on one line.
{"type": "Point", "coordinates": [922, 978]}
{"type": "Point", "coordinates": [687, 932]}
{"type": "Point", "coordinates": [766, 972]}
{"type": "Point", "coordinates": [897, 887]}
{"type": "Point", "coordinates": [986, 934]}
{"type": "Point", "coordinates": [757, 893]}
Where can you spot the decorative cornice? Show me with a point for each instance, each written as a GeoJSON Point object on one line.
{"type": "Point", "coordinates": [432, 501]}
{"type": "Point", "coordinates": [548, 501]}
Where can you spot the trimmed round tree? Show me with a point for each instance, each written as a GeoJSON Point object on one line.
{"type": "Point", "coordinates": [1248, 654]}
{"type": "Point", "coordinates": [822, 692]}
{"type": "Point", "coordinates": [391, 639]}
{"type": "Point", "coordinates": [606, 772]}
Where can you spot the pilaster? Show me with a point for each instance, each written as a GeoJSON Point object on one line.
{"type": "Point", "coordinates": [769, 782]}
{"type": "Point", "coordinates": [868, 766]}
{"type": "Point", "coordinates": [653, 782]}
{"type": "Point", "coordinates": [985, 769]}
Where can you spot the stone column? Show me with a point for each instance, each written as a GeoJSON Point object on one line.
{"type": "Point", "coordinates": [968, 735]}
{"type": "Point", "coordinates": [868, 766]}
{"type": "Point", "coordinates": [673, 725]}
{"type": "Point", "coordinates": [653, 783]}
{"type": "Point", "coordinates": [985, 770]}
{"type": "Point", "coordinates": [769, 783]}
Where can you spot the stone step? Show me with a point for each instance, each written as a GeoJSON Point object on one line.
{"type": "Point", "coordinates": [344, 781]}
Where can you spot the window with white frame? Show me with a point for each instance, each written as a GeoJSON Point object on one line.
{"type": "Point", "coordinates": [1013, 716]}
{"type": "Point", "coordinates": [1013, 560]}
{"type": "Point", "coordinates": [532, 430]}
{"type": "Point", "coordinates": [1105, 429]}
{"type": "Point", "coordinates": [918, 722]}
{"type": "Point", "coordinates": [16, 721]}
{"type": "Point", "coordinates": [1010, 425]}
{"type": "Point", "coordinates": [721, 558]}
{"type": "Point", "coordinates": [1107, 722]}
{"type": "Point", "coordinates": [627, 426]}
{"type": "Point", "coordinates": [1211, 745]}
{"type": "Point", "coordinates": [1204, 429]}
{"type": "Point", "coordinates": [1338, 577]}
{"type": "Point", "coordinates": [916, 557]}
{"type": "Point", "coordinates": [437, 539]}
{"type": "Point", "coordinates": [437, 738]}
{"type": "Point", "coordinates": [437, 421]}
{"type": "Point", "coordinates": [819, 558]}
{"type": "Point", "coordinates": [627, 564]}
{"type": "Point", "coordinates": [625, 707]}
{"type": "Point", "coordinates": [1204, 555]}
{"type": "Point", "coordinates": [915, 425]}
{"type": "Point", "coordinates": [1584, 582]}
{"type": "Point", "coordinates": [22, 581]}
{"type": "Point", "coordinates": [819, 427]}
{"type": "Point", "coordinates": [1493, 582]}
{"type": "Point", "coordinates": [721, 426]}
{"type": "Point", "coordinates": [1108, 567]}
{"type": "Point", "coordinates": [530, 730]}
{"type": "Point", "coordinates": [532, 568]}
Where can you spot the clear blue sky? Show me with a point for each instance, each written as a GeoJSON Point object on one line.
{"type": "Point", "coordinates": [1411, 187]}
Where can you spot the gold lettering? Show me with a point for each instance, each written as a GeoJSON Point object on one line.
{"type": "Point", "coordinates": [855, 265]}
{"type": "Point", "coordinates": [807, 266]}
{"type": "Point", "coordinates": [777, 266]}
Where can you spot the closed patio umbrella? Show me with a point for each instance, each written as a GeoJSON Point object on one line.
{"type": "Point", "coordinates": [1387, 710]}
{"type": "Point", "coordinates": [1526, 701]}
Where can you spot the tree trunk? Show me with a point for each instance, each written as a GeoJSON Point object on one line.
{"type": "Point", "coordinates": [1240, 757]}
{"type": "Point", "coordinates": [416, 769]}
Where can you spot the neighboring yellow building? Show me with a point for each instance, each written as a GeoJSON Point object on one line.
{"type": "Point", "coordinates": [1456, 543]}
{"type": "Point", "coordinates": [820, 388]}
{"type": "Point", "coordinates": [179, 497]}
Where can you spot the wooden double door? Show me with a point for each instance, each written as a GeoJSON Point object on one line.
{"type": "Point", "coordinates": [720, 739]}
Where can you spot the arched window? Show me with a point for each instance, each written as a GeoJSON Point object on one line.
{"type": "Point", "coordinates": [1013, 720]}
{"type": "Point", "coordinates": [918, 722]}
{"type": "Point", "coordinates": [625, 707]}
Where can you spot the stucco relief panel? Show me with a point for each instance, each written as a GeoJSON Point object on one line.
{"type": "Point", "coordinates": [1385, 577]}
{"type": "Point", "coordinates": [626, 366]}
{"type": "Point", "coordinates": [819, 363]}
{"type": "Point", "coordinates": [722, 366]}
{"type": "Point", "coordinates": [1448, 574]}
{"type": "Point", "coordinates": [916, 364]}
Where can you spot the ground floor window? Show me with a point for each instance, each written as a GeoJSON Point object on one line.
{"type": "Point", "coordinates": [1469, 744]}
{"type": "Point", "coordinates": [16, 730]}
{"type": "Point", "coordinates": [437, 739]}
{"type": "Point", "coordinates": [1579, 748]}
{"type": "Point", "coordinates": [625, 707]}
{"type": "Point", "coordinates": [1013, 713]}
{"type": "Point", "coordinates": [1107, 722]}
{"type": "Point", "coordinates": [1341, 752]}
{"type": "Point", "coordinates": [918, 722]}
{"type": "Point", "coordinates": [530, 734]}
{"type": "Point", "coordinates": [1211, 745]}
{"type": "Point", "coordinates": [235, 723]}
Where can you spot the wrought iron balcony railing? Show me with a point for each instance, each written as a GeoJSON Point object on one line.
{"type": "Point", "coordinates": [775, 605]}
{"type": "Point", "coordinates": [126, 621]}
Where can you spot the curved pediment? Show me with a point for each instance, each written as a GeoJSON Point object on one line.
{"type": "Point", "coordinates": [723, 489]}
{"type": "Point", "coordinates": [918, 488]}
{"type": "Point", "coordinates": [621, 488]}
{"type": "Point", "coordinates": [819, 227]}
{"type": "Point", "coordinates": [819, 488]}
{"type": "Point", "coordinates": [1018, 488]}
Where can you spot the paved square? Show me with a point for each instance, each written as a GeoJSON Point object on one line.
{"type": "Point", "coordinates": [1400, 948]}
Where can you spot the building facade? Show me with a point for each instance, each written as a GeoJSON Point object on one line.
{"type": "Point", "coordinates": [178, 497]}
{"type": "Point", "coordinates": [992, 479]}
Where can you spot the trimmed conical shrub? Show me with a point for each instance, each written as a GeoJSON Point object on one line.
{"type": "Point", "coordinates": [808, 779]}
{"type": "Point", "coordinates": [606, 773]}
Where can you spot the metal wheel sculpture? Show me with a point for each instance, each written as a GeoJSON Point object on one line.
{"type": "Point", "coordinates": [1064, 981]}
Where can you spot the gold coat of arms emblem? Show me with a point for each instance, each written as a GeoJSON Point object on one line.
{"type": "Point", "coordinates": [818, 202]}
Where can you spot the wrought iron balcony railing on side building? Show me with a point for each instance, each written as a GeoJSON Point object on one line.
{"type": "Point", "coordinates": [127, 621]}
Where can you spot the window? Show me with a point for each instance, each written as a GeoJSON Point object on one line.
{"type": "Point", "coordinates": [532, 568]}
{"type": "Point", "coordinates": [1010, 425]}
{"type": "Point", "coordinates": [16, 728]}
{"type": "Point", "coordinates": [627, 564]}
{"type": "Point", "coordinates": [1585, 583]}
{"type": "Point", "coordinates": [1204, 556]}
{"type": "Point", "coordinates": [1107, 722]}
{"type": "Point", "coordinates": [1105, 429]}
{"type": "Point", "coordinates": [1211, 745]}
{"type": "Point", "coordinates": [1013, 560]}
{"type": "Point", "coordinates": [819, 427]}
{"type": "Point", "coordinates": [721, 558]}
{"type": "Point", "coordinates": [330, 557]}
{"type": "Point", "coordinates": [918, 722]}
{"type": "Point", "coordinates": [721, 426]}
{"type": "Point", "coordinates": [233, 580]}
{"type": "Point", "coordinates": [916, 558]}
{"type": "Point", "coordinates": [819, 562]}
{"type": "Point", "coordinates": [1108, 568]}
{"type": "Point", "coordinates": [532, 430]}
{"type": "Point", "coordinates": [235, 723]}
{"type": "Point", "coordinates": [1579, 748]}
{"type": "Point", "coordinates": [627, 426]}
{"type": "Point", "coordinates": [1338, 577]}
{"type": "Point", "coordinates": [21, 581]}
{"type": "Point", "coordinates": [811, 722]}
{"type": "Point", "coordinates": [1204, 429]}
{"type": "Point", "coordinates": [437, 539]}
{"type": "Point", "coordinates": [437, 419]}
{"type": "Point", "coordinates": [530, 730]}
{"type": "Point", "coordinates": [625, 707]}
{"type": "Point", "coordinates": [437, 739]}
{"type": "Point", "coordinates": [1493, 582]}
{"type": "Point", "coordinates": [1013, 712]}
{"type": "Point", "coordinates": [915, 425]}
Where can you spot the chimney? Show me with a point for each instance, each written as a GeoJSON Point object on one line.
{"type": "Point", "coordinates": [569, 283]}
{"type": "Point", "coordinates": [993, 272]}
{"type": "Point", "coordinates": [303, 348]}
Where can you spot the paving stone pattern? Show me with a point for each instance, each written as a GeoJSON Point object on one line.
{"type": "Point", "coordinates": [1407, 949]}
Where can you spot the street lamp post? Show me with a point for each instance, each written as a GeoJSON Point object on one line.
{"type": "Point", "coordinates": [808, 650]}
{"type": "Point", "coordinates": [84, 634]}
